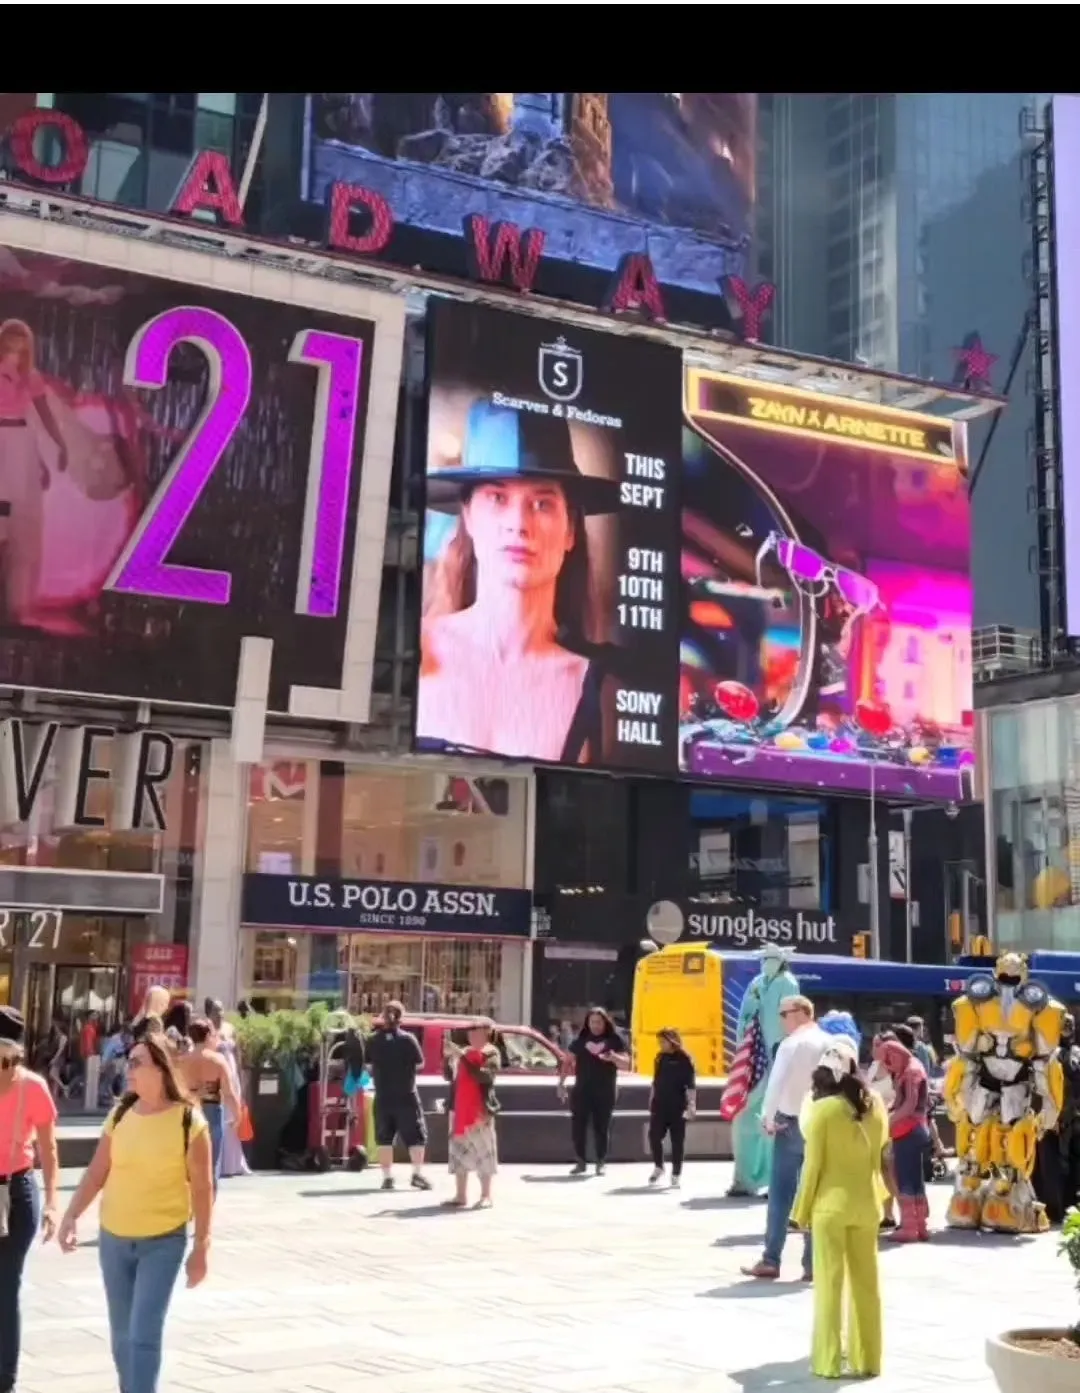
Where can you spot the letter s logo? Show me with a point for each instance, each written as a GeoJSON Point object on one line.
{"type": "Point", "coordinates": [562, 376]}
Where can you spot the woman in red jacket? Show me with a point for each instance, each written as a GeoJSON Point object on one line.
{"type": "Point", "coordinates": [473, 1148]}
{"type": "Point", "coordinates": [909, 1132]}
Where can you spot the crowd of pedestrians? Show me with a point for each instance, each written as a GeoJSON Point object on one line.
{"type": "Point", "coordinates": [844, 1146]}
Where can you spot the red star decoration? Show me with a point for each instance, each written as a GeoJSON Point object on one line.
{"type": "Point", "coordinates": [973, 364]}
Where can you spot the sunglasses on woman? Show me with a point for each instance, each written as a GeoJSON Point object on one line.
{"type": "Point", "coordinates": [8, 1061]}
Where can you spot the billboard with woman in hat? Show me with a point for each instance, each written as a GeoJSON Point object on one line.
{"type": "Point", "coordinates": [547, 495]}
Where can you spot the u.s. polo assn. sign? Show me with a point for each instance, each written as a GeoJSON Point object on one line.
{"type": "Point", "coordinates": [320, 902]}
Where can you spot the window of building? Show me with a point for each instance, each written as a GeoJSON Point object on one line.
{"type": "Point", "coordinates": [757, 850]}
{"type": "Point", "coordinates": [430, 826]}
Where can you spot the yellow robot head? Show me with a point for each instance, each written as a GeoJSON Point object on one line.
{"type": "Point", "coordinates": [1011, 970]}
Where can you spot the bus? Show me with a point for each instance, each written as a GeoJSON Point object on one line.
{"type": "Point", "coordinates": [699, 991]}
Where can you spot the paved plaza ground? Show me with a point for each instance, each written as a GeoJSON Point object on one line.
{"type": "Point", "coordinates": [321, 1284]}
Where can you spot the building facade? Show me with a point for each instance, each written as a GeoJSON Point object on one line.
{"type": "Point", "coordinates": [871, 220]}
{"type": "Point", "coordinates": [307, 851]}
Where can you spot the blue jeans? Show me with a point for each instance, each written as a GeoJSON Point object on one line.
{"type": "Point", "coordinates": [909, 1156]}
{"type": "Point", "coordinates": [787, 1159]}
{"type": "Point", "coordinates": [215, 1120]}
{"type": "Point", "coordinates": [139, 1274]}
{"type": "Point", "coordinates": [23, 1223]}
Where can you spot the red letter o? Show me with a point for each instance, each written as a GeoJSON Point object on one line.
{"type": "Point", "coordinates": [76, 147]}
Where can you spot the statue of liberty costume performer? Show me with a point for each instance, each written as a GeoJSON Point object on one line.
{"type": "Point", "coordinates": [760, 1011]}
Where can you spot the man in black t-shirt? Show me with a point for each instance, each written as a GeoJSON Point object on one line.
{"type": "Point", "coordinates": [393, 1057]}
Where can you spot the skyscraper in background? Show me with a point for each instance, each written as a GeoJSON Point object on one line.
{"type": "Point", "coordinates": [893, 226]}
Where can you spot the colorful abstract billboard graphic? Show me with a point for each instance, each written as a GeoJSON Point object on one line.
{"type": "Point", "coordinates": [826, 632]}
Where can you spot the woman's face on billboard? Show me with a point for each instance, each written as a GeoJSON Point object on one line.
{"type": "Point", "coordinates": [520, 531]}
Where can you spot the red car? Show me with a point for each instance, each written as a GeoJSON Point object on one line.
{"type": "Point", "coordinates": [523, 1049]}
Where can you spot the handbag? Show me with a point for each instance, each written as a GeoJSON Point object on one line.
{"type": "Point", "coordinates": [16, 1138]}
{"type": "Point", "coordinates": [245, 1129]}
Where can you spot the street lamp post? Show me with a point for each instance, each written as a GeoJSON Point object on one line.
{"type": "Point", "coordinates": [872, 851]}
{"type": "Point", "coordinates": [909, 905]}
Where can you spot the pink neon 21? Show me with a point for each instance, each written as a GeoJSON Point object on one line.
{"type": "Point", "coordinates": [141, 568]}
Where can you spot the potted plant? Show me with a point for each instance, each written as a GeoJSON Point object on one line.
{"type": "Point", "coordinates": [276, 1051]}
{"type": "Point", "coordinates": [1042, 1360]}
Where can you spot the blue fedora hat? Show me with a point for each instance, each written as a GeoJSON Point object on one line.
{"type": "Point", "coordinates": [501, 444]}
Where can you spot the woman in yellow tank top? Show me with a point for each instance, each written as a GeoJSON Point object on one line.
{"type": "Point", "coordinates": [152, 1167]}
{"type": "Point", "coordinates": [846, 1163]}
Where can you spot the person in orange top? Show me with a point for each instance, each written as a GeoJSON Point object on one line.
{"type": "Point", "coordinates": [27, 1113]}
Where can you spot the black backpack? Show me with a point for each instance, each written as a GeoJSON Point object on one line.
{"type": "Point", "coordinates": [128, 1101]}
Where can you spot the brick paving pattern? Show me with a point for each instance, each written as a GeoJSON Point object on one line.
{"type": "Point", "coordinates": [322, 1284]}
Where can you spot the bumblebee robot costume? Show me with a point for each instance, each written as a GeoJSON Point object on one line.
{"type": "Point", "coordinates": [1003, 1089]}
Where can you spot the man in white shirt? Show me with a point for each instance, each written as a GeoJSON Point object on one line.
{"type": "Point", "coordinates": [797, 1056]}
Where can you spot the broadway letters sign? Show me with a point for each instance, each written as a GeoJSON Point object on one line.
{"type": "Point", "coordinates": [316, 902]}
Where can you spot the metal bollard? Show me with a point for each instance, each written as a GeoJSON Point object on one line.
{"type": "Point", "coordinates": [92, 1084]}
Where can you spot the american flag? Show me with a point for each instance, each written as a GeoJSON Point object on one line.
{"type": "Point", "coordinates": [747, 1070]}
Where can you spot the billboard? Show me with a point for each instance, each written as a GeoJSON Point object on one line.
{"type": "Point", "coordinates": [595, 178]}
{"type": "Point", "coordinates": [1066, 196]}
{"type": "Point", "coordinates": [183, 465]}
{"type": "Point", "coordinates": [826, 624]}
{"type": "Point", "coordinates": [551, 543]}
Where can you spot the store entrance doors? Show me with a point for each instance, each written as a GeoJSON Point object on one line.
{"type": "Point", "coordinates": [68, 995]}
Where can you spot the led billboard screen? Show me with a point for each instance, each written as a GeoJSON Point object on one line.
{"type": "Point", "coordinates": [826, 629]}
{"type": "Point", "coordinates": [596, 176]}
{"type": "Point", "coordinates": [1066, 194]}
{"type": "Point", "coordinates": [180, 466]}
{"type": "Point", "coordinates": [551, 543]}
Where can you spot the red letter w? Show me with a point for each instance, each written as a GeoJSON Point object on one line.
{"type": "Point", "coordinates": [491, 246]}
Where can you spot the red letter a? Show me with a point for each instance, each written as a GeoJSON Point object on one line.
{"type": "Point", "coordinates": [635, 287]}
{"type": "Point", "coordinates": [490, 247]}
{"type": "Point", "coordinates": [208, 184]}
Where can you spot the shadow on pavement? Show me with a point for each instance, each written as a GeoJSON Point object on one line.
{"type": "Point", "coordinates": [967, 1238]}
{"type": "Point", "coordinates": [739, 1240]}
{"type": "Point", "coordinates": [785, 1374]}
{"type": "Point", "coordinates": [558, 1179]}
{"type": "Point", "coordinates": [724, 1202]}
{"type": "Point", "coordinates": [329, 1194]}
{"type": "Point", "coordinates": [423, 1211]}
{"type": "Point", "coordinates": [753, 1287]}
{"type": "Point", "coordinates": [639, 1190]}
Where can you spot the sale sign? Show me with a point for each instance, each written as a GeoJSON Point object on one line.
{"type": "Point", "coordinates": [156, 965]}
{"type": "Point", "coordinates": [180, 467]}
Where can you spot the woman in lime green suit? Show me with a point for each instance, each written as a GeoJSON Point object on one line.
{"type": "Point", "coordinates": [846, 1165]}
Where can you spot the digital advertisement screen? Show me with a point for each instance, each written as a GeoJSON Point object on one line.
{"type": "Point", "coordinates": [1066, 193]}
{"type": "Point", "coordinates": [179, 468]}
{"type": "Point", "coordinates": [826, 626]}
{"type": "Point", "coordinates": [601, 174]}
{"type": "Point", "coordinates": [551, 543]}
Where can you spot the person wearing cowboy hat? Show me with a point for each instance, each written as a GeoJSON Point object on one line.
{"type": "Point", "coordinates": [27, 1116]}
{"type": "Point", "coordinates": [509, 663]}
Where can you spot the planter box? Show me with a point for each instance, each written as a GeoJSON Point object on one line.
{"type": "Point", "coordinates": [1022, 1371]}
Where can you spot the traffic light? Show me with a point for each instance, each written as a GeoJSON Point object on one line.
{"type": "Point", "coordinates": [860, 946]}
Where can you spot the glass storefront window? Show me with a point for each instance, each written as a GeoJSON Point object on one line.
{"type": "Point", "coordinates": [1035, 805]}
{"type": "Point", "coordinates": [362, 972]}
{"type": "Point", "coordinates": [66, 962]}
{"type": "Point", "coordinates": [417, 825]}
{"type": "Point", "coordinates": [758, 850]}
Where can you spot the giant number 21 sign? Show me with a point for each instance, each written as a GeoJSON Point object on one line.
{"type": "Point", "coordinates": [142, 567]}
{"type": "Point", "coordinates": [204, 456]}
